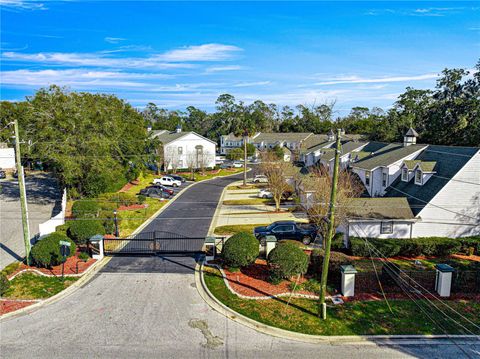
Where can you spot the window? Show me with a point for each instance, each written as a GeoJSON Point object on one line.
{"type": "Point", "coordinates": [386, 227]}
{"type": "Point", "coordinates": [418, 177]}
{"type": "Point", "coordinates": [384, 179]}
{"type": "Point", "coordinates": [180, 150]}
{"type": "Point", "coordinates": [405, 174]}
{"type": "Point", "coordinates": [367, 178]}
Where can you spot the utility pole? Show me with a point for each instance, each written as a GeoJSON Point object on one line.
{"type": "Point", "coordinates": [245, 138]}
{"type": "Point", "coordinates": [331, 229]}
{"type": "Point", "coordinates": [23, 194]}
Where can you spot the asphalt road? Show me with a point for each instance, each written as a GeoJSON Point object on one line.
{"type": "Point", "coordinates": [149, 307]}
{"type": "Point", "coordinates": [43, 198]}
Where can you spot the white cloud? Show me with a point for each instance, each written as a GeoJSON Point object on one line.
{"type": "Point", "coordinates": [250, 84]}
{"type": "Point", "coordinates": [224, 68]}
{"type": "Point", "coordinates": [205, 52]}
{"type": "Point", "coordinates": [114, 40]}
{"type": "Point", "coordinates": [358, 80]}
{"type": "Point", "coordinates": [22, 5]}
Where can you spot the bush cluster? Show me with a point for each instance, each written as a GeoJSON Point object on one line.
{"type": "Point", "coordinates": [287, 260]}
{"type": "Point", "coordinates": [336, 260]}
{"type": "Point", "coordinates": [240, 250]}
{"type": "Point", "coordinates": [85, 209]}
{"type": "Point", "coordinates": [46, 252]}
{"type": "Point", "coordinates": [4, 283]}
{"type": "Point", "coordinates": [337, 242]}
{"type": "Point", "coordinates": [427, 246]}
{"type": "Point", "coordinates": [82, 230]}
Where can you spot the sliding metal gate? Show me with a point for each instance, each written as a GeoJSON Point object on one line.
{"type": "Point", "coordinates": [150, 243]}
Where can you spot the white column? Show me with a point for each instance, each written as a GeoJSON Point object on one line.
{"type": "Point", "coordinates": [348, 280]}
{"type": "Point", "coordinates": [443, 280]}
{"type": "Point", "coordinates": [271, 242]}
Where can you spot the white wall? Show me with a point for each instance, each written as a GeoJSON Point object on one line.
{"type": "Point", "coordinates": [371, 229]}
{"type": "Point", "coordinates": [460, 215]}
{"type": "Point", "coordinates": [188, 144]}
{"type": "Point", "coordinates": [50, 225]}
{"type": "Point", "coordinates": [7, 158]}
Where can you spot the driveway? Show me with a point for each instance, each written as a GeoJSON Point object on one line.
{"type": "Point", "coordinates": [146, 307]}
{"type": "Point", "coordinates": [43, 198]}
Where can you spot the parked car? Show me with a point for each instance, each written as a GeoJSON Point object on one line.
{"type": "Point", "coordinates": [264, 193]}
{"type": "Point", "coordinates": [3, 174]}
{"type": "Point", "coordinates": [260, 179]}
{"type": "Point", "coordinates": [178, 178]}
{"type": "Point", "coordinates": [304, 232]}
{"type": "Point", "coordinates": [154, 192]}
{"type": "Point", "coordinates": [167, 190]}
{"type": "Point", "coordinates": [167, 181]}
{"type": "Point", "coordinates": [237, 164]}
{"type": "Point", "coordinates": [226, 164]}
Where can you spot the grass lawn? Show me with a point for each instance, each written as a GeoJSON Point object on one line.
{"type": "Point", "coordinates": [213, 174]}
{"type": "Point", "coordinates": [354, 318]}
{"type": "Point", "coordinates": [228, 230]}
{"type": "Point", "coordinates": [32, 286]}
{"type": "Point", "coordinates": [239, 202]}
{"type": "Point", "coordinates": [130, 220]}
{"type": "Point", "coordinates": [363, 265]}
{"type": "Point", "coordinates": [248, 186]}
{"type": "Point", "coordinates": [145, 180]}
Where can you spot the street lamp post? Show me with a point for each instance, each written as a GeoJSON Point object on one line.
{"type": "Point", "coordinates": [245, 138]}
{"type": "Point", "coordinates": [116, 222]}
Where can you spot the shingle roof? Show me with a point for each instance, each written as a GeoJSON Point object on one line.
{"type": "Point", "coordinates": [387, 155]}
{"type": "Point", "coordinates": [271, 137]}
{"type": "Point", "coordinates": [410, 164]}
{"type": "Point", "coordinates": [347, 147]}
{"type": "Point", "coordinates": [167, 136]}
{"type": "Point", "coordinates": [449, 161]}
{"type": "Point", "coordinates": [427, 166]}
{"type": "Point", "coordinates": [411, 132]}
{"type": "Point", "coordinates": [380, 208]}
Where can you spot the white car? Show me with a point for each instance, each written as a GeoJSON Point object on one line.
{"type": "Point", "coordinates": [237, 164]}
{"type": "Point", "coordinates": [167, 181]}
{"type": "Point", "coordinates": [260, 179]}
{"type": "Point", "coordinates": [264, 193]}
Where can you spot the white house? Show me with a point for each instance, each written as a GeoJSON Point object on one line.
{"type": "Point", "coordinates": [7, 157]}
{"type": "Point", "coordinates": [182, 150]}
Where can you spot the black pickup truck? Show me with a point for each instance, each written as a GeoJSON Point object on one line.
{"type": "Point", "coordinates": [304, 232]}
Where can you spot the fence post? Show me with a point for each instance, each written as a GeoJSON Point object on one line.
{"type": "Point", "coordinates": [96, 243]}
{"type": "Point", "coordinates": [443, 279]}
{"type": "Point", "coordinates": [270, 243]}
{"type": "Point", "coordinates": [348, 280]}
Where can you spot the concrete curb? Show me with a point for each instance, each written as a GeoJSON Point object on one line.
{"type": "Point", "coordinates": [63, 294]}
{"type": "Point", "coordinates": [219, 307]}
{"type": "Point", "coordinates": [214, 221]}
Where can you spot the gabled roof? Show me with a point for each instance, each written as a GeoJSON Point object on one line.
{"type": "Point", "coordinates": [411, 133]}
{"type": "Point", "coordinates": [427, 166]}
{"type": "Point", "coordinates": [449, 161]}
{"type": "Point", "coordinates": [166, 136]}
{"type": "Point", "coordinates": [387, 155]}
{"type": "Point", "coordinates": [271, 137]}
{"type": "Point", "coordinates": [410, 164]}
{"type": "Point", "coordinates": [379, 208]}
{"type": "Point", "coordinates": [347, 147]}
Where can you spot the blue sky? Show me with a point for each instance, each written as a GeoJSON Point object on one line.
{"type": "Point", "coordinates": [187, 53]}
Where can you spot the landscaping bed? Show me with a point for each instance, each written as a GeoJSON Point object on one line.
{"type": "Point", "coordinates": [233, 229]}
{"type": "Point", "coordinates": [11, 305]}
{"type": "Point", "coordinates": [371, 317]}
{"type": "Point", "coordinates": [30, 286]}
{"type": "Point", "coordinates": [73, 266]}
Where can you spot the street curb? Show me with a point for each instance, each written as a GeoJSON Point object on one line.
{"type": "Point", "coordinates": [221, 308]}
{"type": "Point", "coordinates": [90, 273]}
{"type": "Point", "coordinates": [214, 221]}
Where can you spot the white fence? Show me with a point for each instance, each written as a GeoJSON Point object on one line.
{"type": "Point", "coordinates": [50, 225]}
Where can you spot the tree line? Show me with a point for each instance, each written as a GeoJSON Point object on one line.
{"type": "Point", "coordinates": [449, 115]}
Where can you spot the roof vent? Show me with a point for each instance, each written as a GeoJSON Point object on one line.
{"type": "Point", "coordinates": [410, 137]}
{"type": "Point", "coordinates": [178, 129]}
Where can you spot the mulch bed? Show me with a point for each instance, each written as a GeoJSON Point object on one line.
{"type": "Point", "coordinates": [73, 266]}
{"type": "Point", "coordinates": [252, 281]}
{"type": "Point", "coordinates": [10, 305]}
{"type": "Point", "coordinates": [132, 207]}
{"type": "Point", "coordinates": [129, 185]}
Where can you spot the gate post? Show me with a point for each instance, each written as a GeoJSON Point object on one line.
{"type": "Point", "coordinates": [270, 243]}
{"type": "Point", "coordinates": [348, 280]}
{"type": "Point", "coordinates": [443, 279]}
{"type": "Point", "coordinates": [96, 243]}
{"type": "Point", "coordinates": [210, 248]}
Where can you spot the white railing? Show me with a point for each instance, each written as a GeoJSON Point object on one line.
{"type": "Point", "coordinates": [50, 225]}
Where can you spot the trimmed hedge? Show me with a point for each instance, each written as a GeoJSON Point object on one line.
{"type": "Point", "coordinates": [240, 250]}
{"type": "Point", "coordinates": [427, 246]}
{"type": "Point", "coordinates": [46, 252]}
{"type": "Point", "coordinates": [287, 260]}
{"type": "Point", "coordinates": [85, 209]}
{"type": "Point", "coordinates": [337, 242]}
{"type": "Point", "coordinates": [82, 230]}
{"type": "Point", "coordinates": [336, 260]}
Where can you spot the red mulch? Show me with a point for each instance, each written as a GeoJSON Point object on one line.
{"type": "Point", "coordinates": [73, 265]}
{"type": "Point", "coordinates": [129, 185]}
{"type": "Point", "coordinates": [7, 306]}
{"type": "Point", "coordinates": [132, 207]}
{"type": "Point", "coordinates": [252, 281]}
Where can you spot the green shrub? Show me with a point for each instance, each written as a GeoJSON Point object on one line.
{"type": "Point", "coordinates": [82, 230]}
{"type": "Point", "coordinates": [85, 209]}
{"type": "Point", "coordinates": [84, 256]}
{"type": "Point", "coordinates": [127, 199]}
{"type": "Point", "coordinates": [337, 242]}
{"type": "Point", "coordinates": [358, 247]}
{"type": "Point", "coordinates": [287, 260]}
{"type": "Point", "coordinates": [108, 221]}
{"type": "Point", "coordinates": [4, 284]}
{"type": "Point", "coordinates": [46, 252]}
{"type": "Point", "coordinates": [63, 228]}
{"type": "Point", "coordinates": [240, 250]}
{"type": "Point", "coordinates": [336, 260]}
{"type": "Point", "coordinates": [141, 199]}
{"type": "Point", "coordinates": [470, 242]}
